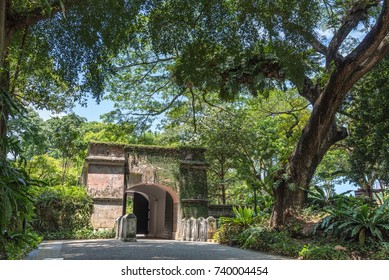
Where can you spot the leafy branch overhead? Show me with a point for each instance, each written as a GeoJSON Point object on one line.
{"type": "Point", "coordinates": [174, 57]}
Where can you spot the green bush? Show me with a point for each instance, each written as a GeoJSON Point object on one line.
{"type": "Point", "coordinates": [228, 233]}
{"type": "Point", "coordinates": [86, 233]}
{"type": "Point", "coordinates": [322, 252]}
{"type": "Point", "coordinates": [231, 228]}
{"type": "Point", "coordinates": [265, 239]}
{"type": "Point", "coordinates": [61, 208]}
{"type": "Point", "coordinates": [18, 245]}
{"type": "Point", "coordinates": [16, 210]}
{"type": "Point", "coordinates": [381, 252]}
{"type": "Point", "coordinates": [357, 222]}
{"type": "Point", "coordinates": [244, 216]}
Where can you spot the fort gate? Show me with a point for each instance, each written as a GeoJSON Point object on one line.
{"type": "Point", "coordinates": [165, 184]}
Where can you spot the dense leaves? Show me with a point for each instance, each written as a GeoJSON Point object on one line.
{"type": "Point", "coordinates": [359, 221]}
{"type": "Point", "coordinates": [369, 129]}
{"type": "Point", "coordinates": [62, 208]}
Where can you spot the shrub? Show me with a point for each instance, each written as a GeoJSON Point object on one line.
{"type": "Point", "coordinates": [244, 216]}
{"type": "Point", "coordinates": [362, 222]}
{"type": "Point", "coordinates": [16, 210]}
{"type": "Point", "coordinates": [85, 233]}
{"type": "Point", "coordinates": [382, 252]}
{"type": "Point", "coordinates": [228, 233]}
{"type": "Point", "coordinates": [322, 252]}
{"type": "Point", "coordinates": [265, 239]}
{"type": "Point", "coordinates": [17, 245]}
{"type": "Point", "coordinates": [61, 208]}
{"type": "Point", "coordinates": [231, 228]}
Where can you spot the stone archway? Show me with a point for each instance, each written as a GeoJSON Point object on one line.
{"type": "Point", "coordinates": [173, 180]}
{"type": "Point", "coordinates": [163, 212]}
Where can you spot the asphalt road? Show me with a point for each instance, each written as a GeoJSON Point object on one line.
{"type": "Point", "coordinates": [143, 249]}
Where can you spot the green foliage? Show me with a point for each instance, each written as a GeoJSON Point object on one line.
{"type": "Point", "coordinates": [265, 239]}
{"type": "Point", "coordinates": [58, 61]}
{"type": "Point", "coordinates": [322, 196]}
{"type": "Point", "coordinates": [228, 233]}
{"type": "Point", "coordinates": [84, 233]}
{"type": "Point", "coordinates": [60, 208]}
{"type": "Point", "coordinates": [244, 216]}
{"type": "Point", "coordinates": [322, 252]}
{"type": "Point", "coordinates": [15, 199]}
{"type": "Point", "coordinates": [361, 222]}
{"type": "Point", "coordinates": [245, 140]}
{"type": "Point", "coordinates": [222, 42]}
{"type": "Point", "coordinates": [381, 252]}
{"type": "Point", "coordinates": [45, 169]}
{"type": "Point", "coordinates": [18, 244]}
{"type": "Point", "coordinates": [230, 228]}
{"type": "Point", "coordinates": [368, 123]}
{"type": "Point", "coordinates": [31, 132]}
{"type": "Point", "coordinates": [333, 168]}
{"type": "Point", "coordinates": [114, 133]}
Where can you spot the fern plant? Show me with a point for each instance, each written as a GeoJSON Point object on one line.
{"type": "Point", "coordinates": [321, 196]}
{"type": "Point", "coordinates": [360, 222]}
{"type": "Point", "coordinates": [244, 216]}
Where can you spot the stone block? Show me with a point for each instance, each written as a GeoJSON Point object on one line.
{"type": "Point", "coordinates": [118, 227]}
{"type": "Point", "coordinates": [194, 229]}
{"type": "Point", "coordinates": [128, 228]}
{"type": "Point", "coordinates": [203, 229]}
{"type": "Point", "coordinates": [211, 227]}
{"type": "Point", "coordinates": [182, 234]}
{"type": "Point", "coordinates": [188, 230]}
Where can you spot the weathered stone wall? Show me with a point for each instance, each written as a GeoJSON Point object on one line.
{"type": "Point", "coordinates": [106, 150]}
{"type": "Point", "coordinates": [104, 168]}
{"type": "Point", "coordinates": [221, 211]}
{"type": "Point", "coordinates": [105, 181]}
{"type": "Point", "coordinates": [105, 212]}
{"type": "Point", "coordinates": [112, 169]}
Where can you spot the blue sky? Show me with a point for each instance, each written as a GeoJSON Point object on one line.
{"type": "Point", "coordinates": [92, 112]}
{"type": "Point", "coordinates": [345, 187]}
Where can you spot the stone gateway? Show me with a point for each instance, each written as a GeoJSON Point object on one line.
{"type": "Point", "coordinates": [166, 185]}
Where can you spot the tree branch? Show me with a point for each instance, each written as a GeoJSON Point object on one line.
{"type": "Point", "coordinates": [17, 21]}
{"type": "Point", "coordinates": [357, 13]}
{"type": "Point", "coordinates": [193, 110]}
{"type": "Point", "coordinates": [373, 48]}
{"type": "Point", "coordinates": [169, 105]}
{"type": "Point", "coordinates": [143, 63]}
{"type": "Point", "coordinates": [203, 95]}
{"type": "Point", "coordinates": [311, 38]}
{"type": "Point", "coordinates": [310, 91]}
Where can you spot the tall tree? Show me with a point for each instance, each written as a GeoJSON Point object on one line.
{"type": "Point", "coordinates": [31, 133]}
{"type": "Point", "coordinates": [65, 139]}
{"type": "Point", "coordinates": [322, 48]}
{"type": "Point", "coordinates": [57, 52]}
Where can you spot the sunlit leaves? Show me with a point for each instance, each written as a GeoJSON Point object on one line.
{"type": "Point", "coordinates": [59, 61]}
{"type": "Point", "coordinates": [229, 45]}
{"type": "Point", "coordinates": [369, 128]}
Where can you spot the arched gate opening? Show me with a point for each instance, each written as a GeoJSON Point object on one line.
{"type": "Point", "coordinates": [156, 209]}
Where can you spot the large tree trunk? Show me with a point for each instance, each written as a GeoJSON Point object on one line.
{"type": "Point", "coordinates": [290, 191]}
{"type": "Point", "coordinates": [3, 107]}
{"type": "Point", "coordinates": [321, 131]}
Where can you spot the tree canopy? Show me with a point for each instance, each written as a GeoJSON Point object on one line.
{"type": "Point", "coordinates": [320, 48]}
{"type": "Point", "coordinates": [163, 54]}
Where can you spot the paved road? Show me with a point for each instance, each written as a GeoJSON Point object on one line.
{"type": "Point", "coordinates": [143, 249]}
